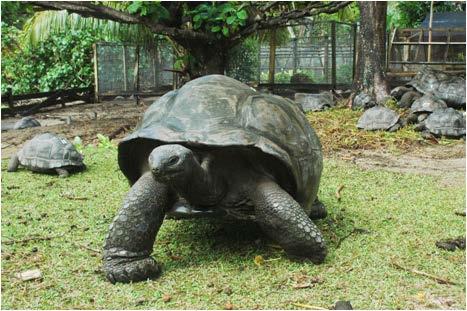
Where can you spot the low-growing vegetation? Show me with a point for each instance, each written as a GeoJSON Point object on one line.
{"type": "Point", "coordinates": [383, 221]}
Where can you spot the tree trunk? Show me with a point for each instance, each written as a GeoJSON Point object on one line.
{"type": "Point", "coordinates": [205, 58]}
{"type": "Point", "coordinates": [371, 78]}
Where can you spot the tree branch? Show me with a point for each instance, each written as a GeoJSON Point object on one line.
{"type": "Point", "coordinates": [313, 8]}
{"type": "Point", "coordinates": [88, 9]}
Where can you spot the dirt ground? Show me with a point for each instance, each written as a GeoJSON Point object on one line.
{"type": "Point", "coordinates": [117, 117]}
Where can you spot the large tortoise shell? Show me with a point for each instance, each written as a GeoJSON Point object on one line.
{"type": "Point", "coordinates": [446, 122]}
{"type": "Point", "coordinates": [216, 111]}
{"type": "Point", "coordinates": [378, 118]}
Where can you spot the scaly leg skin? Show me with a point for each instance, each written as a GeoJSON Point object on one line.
{"type": "Point", "coordinates": [131, 236]}
{"type": "Point", "coordinates": [284, 220]}
{"type": "Point", "coordinates": [13, 164]}
{"type": "Point", "coordinates": [62, 173]}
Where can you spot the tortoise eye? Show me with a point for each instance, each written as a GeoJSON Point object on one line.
{"type": "Point", "coordinates": [173, 160]}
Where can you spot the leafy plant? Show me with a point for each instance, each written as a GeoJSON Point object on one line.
{"type": "Point", "coordinates": [105, 142]}
{"type": "Point", "coordinates": [243, 61]}
{"type": "Point", "coordinates": [62, 61]}
{"type": "Point", "coordinates": [152, 9]}
{"type": "Point", "coordinates": [225, 18]}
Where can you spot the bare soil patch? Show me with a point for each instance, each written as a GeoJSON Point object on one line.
{"type": "Point", "coordinates": [118, 117]}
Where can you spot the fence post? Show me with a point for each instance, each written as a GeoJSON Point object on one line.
{"type": "Point", "coordinates": [295, 58]}
{"type": "Point", "coordinates": [96, 78]}
{"type": "Point", "coordinates": [259, 63]}
{"type": "Point", "coordinates": [354, 56]}
{"type": "Point", "coordinates": [11, 104]}
{"type": "Point", "coordinates": [272, 56]}
{"type": "Point", "coordinates": [333, 54]}
{"type": "Point", "coordinates": [125, 79]}
{"type": "Point", "coordinates": [136, 71]}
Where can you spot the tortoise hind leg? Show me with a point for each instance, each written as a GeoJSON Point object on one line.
{"type": "Point", "coordinates": [132, 233]}
{"type": "Point", "coordinates": [284, 220]}
{"type": "Point", "coordinates": [13, 164]}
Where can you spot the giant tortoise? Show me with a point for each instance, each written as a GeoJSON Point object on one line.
{"type": "Point", "coordinates": [446, 122]}
{"type": "Point", "coordinates": [445, 86]}
{"type": "Point", "coordinates": [228, 151]}
{"type": "Point", "coordinates": [380, 118]}
{"type": "Point", "coordinates": [422, 107]}
{"type": "Point", "coordinates": [48, 153]}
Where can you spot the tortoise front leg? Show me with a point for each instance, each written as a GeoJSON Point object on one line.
{"type": "Point", "coordinates": [62, 173]}
{"type": "Point", "coordinates": [284, 220]}
{"type": "Point", "coordinates": [132, 233]}
{"type": "Point", "coordinates": [13, 164]}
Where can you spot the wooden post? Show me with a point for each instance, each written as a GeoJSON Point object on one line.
{"type": "Point", "coordinates": [430, 33]}
{"type": "Point", "coordinates": [272, 56]}
{"type": "Point", "coordinates": [156, 66]}
{"type": "Point", "coordinates": [10, 102]}
{"type": "Point", "coordinates": [295, 58]}
{"type": "Point", "coordinates": [96, 74]}
{"type": "Point", "coordinates": [392, 33]}
{"type": "Point", "coordinates": [333, 54]}
{"type": "Point", "coordinates": [136, 71]}
{"type": "Point", "coordinates": [125, 86]}
{"type": "Point", "coordinates": [259, 63]}
{"type": "Point", "coordinates": [354, 56]}
{"type": "Point", "coordinates": [325, 63]}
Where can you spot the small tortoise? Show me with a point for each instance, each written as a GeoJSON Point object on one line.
{"type": "Point", "coordinates": [228, 151]}
{"type": "Point", "coordinates": [448, 87]}
{"type": "Point", "coordinates": [380, 118]}
{"type": "Point", "coordinates": [48, 153]}
{"type": "Point", "coordinates": [424, 106]}
{"type": "Point", "coordinates": [26, 122]}
{"type": "Point", "coordinates": [363, 101]}
{"type": "Point", "coordinates": [314, 102]}
{"type": "Point", "coordinates": [446, 122]}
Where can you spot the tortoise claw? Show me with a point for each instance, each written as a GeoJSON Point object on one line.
{"type": "Point", "coordinates": [126, 270]}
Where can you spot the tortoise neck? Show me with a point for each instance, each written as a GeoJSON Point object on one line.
{"type": "Point", "coordinates": [201, 185]}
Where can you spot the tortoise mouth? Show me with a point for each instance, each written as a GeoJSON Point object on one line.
{"type": "Point", "coordinates": [164, 175]}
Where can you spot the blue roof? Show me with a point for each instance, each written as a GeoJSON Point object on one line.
{"type": "Point", "coordinates": [445, 20]}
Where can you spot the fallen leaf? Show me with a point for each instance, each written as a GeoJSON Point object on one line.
{"type": "Point", "coordinates": [228, 306]}
{"type": "Point", "coordinates": [259, 260]}
{"type": "Point", "coordinates": [166, 298]}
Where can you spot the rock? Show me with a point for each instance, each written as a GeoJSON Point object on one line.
{"type": "Point", "coordinates": [343, 305]}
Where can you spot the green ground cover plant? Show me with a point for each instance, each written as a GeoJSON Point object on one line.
{"type": "Point", "coordinates": [58, 226]}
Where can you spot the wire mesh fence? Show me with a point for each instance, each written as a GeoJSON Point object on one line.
{"type": "Point", "coordinates": [122, 69]}
{"type": "Point", "coordinates": [312, 52]}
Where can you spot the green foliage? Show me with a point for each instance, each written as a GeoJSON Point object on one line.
{"type": "Point", "coordinates": [243, 61]}
{"type": "Point", "coordinates": [14, 13]}
{"type": "Point", "coordinates": [344, 73]}
{"type": "Point", "coordinates": [62, 61]}
{"type": "Point", "coordinates": [219, 17]}
{"type": "Point", "coordinates": [105, 142]}
{"type": "Point", "coordinates": [152, 9]}
{"type": "Point", "coordinates": [282, 77]}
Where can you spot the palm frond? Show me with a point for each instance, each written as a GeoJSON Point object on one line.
{"type": "Point", "coordinates": [46, 23]}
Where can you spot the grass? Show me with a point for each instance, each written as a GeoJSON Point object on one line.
{"type": "Point", "coordinates": [208, 264]}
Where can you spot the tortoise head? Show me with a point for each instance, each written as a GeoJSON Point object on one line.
{"type": "Point", "coordinates": [169, 163]}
